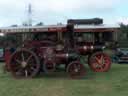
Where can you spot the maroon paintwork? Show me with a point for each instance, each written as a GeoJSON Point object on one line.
{"type": "Point", "coordinates": [51, 57]}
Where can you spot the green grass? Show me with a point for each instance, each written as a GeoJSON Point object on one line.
{"type": "Point", "coordinates": [112, 83]}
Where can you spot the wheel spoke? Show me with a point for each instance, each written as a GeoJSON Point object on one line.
{"type": "Point", "coordinates": [102, 59]}
{"type": "Point", "coordinates": [96, 65]}
{"type": "Point", "coordinates": [18, 61]}
{"type": "Point", "coordinates": [29, 58]}
{"type": "Point", "coordinates": [26, 73]}
{"type": "Point", "coordinates": [99, 64]}
{"type": "Point", "coordinates": [22, 55]}
{"type": "Point", "coordinates": [97, 59]}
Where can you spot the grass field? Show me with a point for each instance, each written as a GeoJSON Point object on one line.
{"type": "Point", "coordinates": [112, 83]}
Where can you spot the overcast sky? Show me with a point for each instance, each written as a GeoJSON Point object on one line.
{"type": "Point", "coordinates": [55, 11]}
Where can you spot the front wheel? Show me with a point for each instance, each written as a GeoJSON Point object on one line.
{"type": "Point", "coordinates": [76, 70]}
{"type": "Point", "coordinates": [99, 62]}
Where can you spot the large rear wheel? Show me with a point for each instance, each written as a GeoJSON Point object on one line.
{"type": "Point", "coordinates": [24, 64]}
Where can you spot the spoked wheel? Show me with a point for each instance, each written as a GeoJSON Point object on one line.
{"type": "Point", "coordinates": [100, 62]}
{"type": "Point", "coordinates": [76, 70]}
{"type": "Point", "coordinates": [24, 64]}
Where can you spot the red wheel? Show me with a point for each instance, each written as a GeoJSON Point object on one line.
{"type": "Point", "coordinates": [76, 70]}
{"type": "Point", "coordinates": [100, 62]}
{"type": "Point", "coordinates": [24, 64]}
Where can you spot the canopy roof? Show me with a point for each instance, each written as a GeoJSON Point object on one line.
{"type": "Point", "coordinates": [61, 28]}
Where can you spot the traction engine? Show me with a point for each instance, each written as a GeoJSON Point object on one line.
{"type": "Point", "coordinates": [61, 46]}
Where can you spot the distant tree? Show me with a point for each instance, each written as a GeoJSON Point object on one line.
{"type": "Point", "coordinates": [59, 23]}
{"type": "Point", "coordinates": [24, 24]}
{"type": "Point", "coordinates": [124, 30]}
{"type": "Point", "coordinates": [40, 24]}
{"type": "Point", "coordinates": [15, 25]}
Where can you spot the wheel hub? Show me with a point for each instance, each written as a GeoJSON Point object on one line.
{"type": "Point", "coordinates": [23, 64]}
{"type": "Point", "coordinates": [76, 70]}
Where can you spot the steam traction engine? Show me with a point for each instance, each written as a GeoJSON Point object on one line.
{"type": "Point", "coordinates": [45, 48]}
